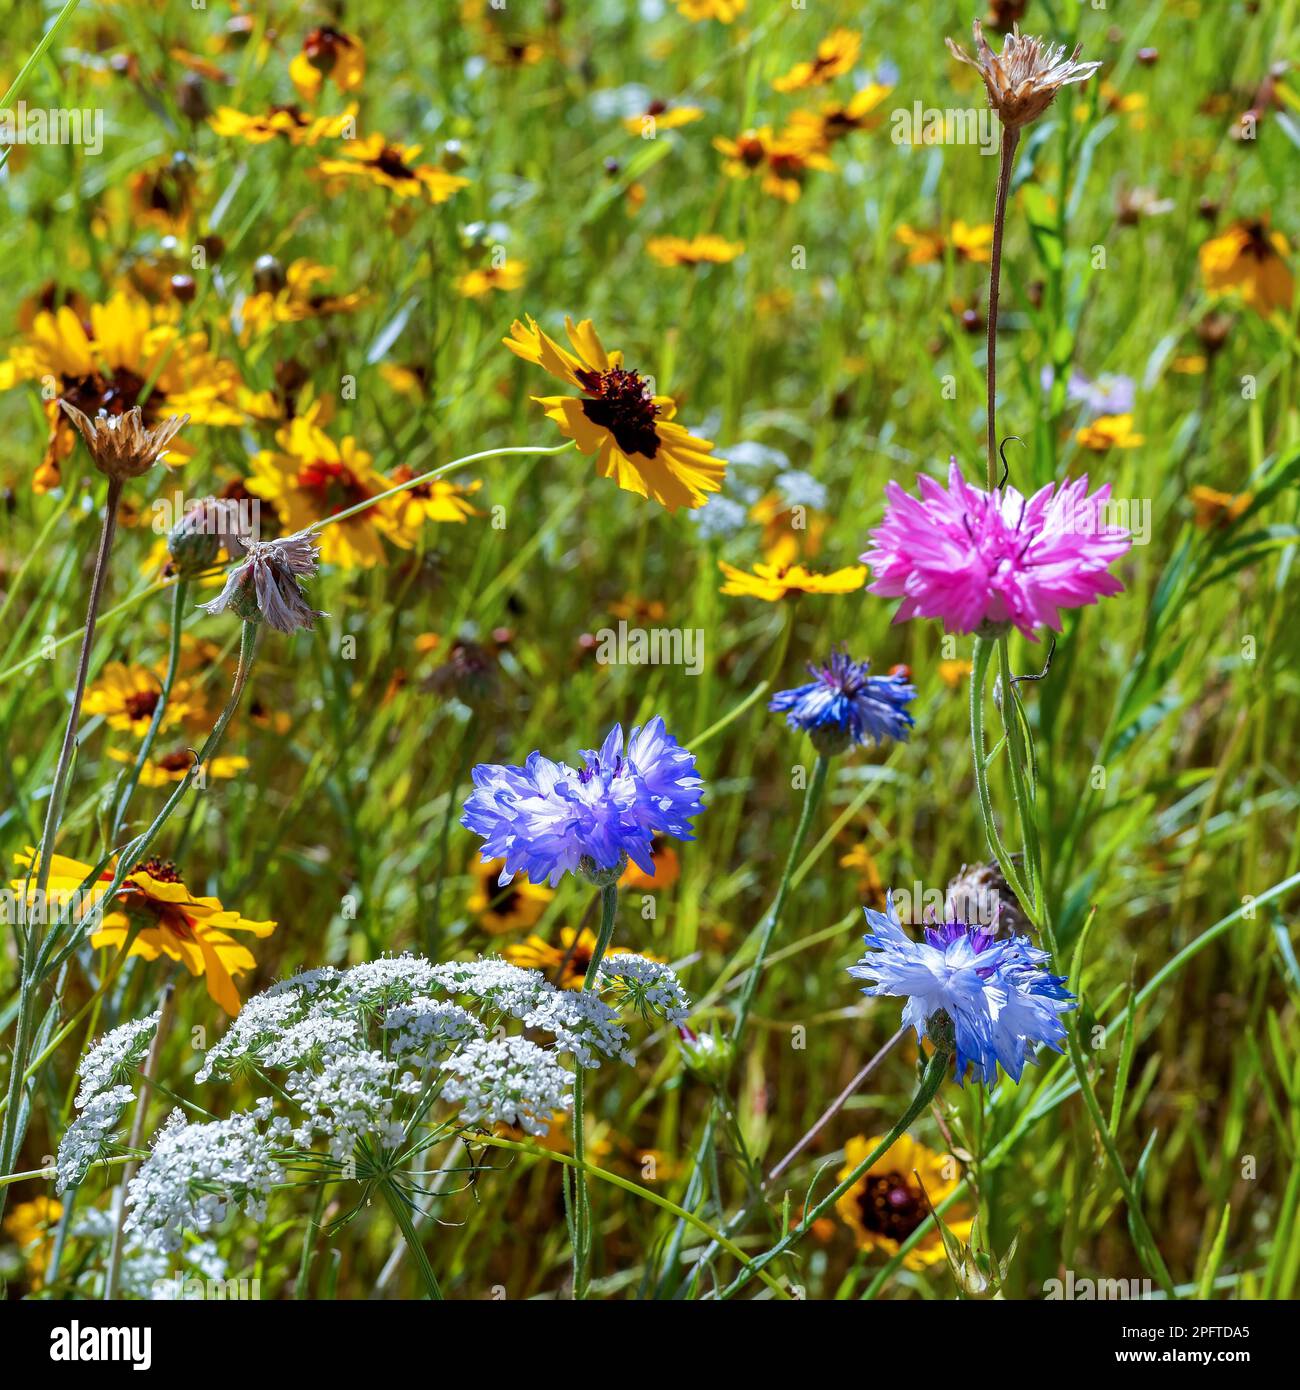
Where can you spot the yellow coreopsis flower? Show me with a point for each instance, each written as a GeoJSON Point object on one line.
{"type": "Point", "coordinates": [1250, 260]}
{"type": "Point", "coordinates": [834, 120]}
{"type": "Point", "coordinates": [173, 767]}
{"type": "Point", "coordinates": [393, 167]}
{"type": "Point", "coordinates": [782, 161]}
{"type": "Point", "coordinates": [725, 11]}
{"type": "Point", "coordinates": [888, 1202]}
{"type": "Point", "coordinates": [661, 115]}
{"type": "Point", "coordinates": [299, 299]}
{"type": "Point", "coordinates": [509, 275]}
{"type": "Point", "coordinates": [438, 500]}
{"type": "Point", "coordinates": [565, 964]}
{"type": "Point", "coordinates": [128, 354]}
{"type": "Point", "coordinates": [194, 931]}
{"type": "Point", "coordinates": [1109, 432]}
{"type": "Point", "coordinates": [501, 908]}
{"type": "Point", "coordinates": [836, 54]}
{"type": "Point", "coordinates": [697, 250]}
{"type": "Point", "coordinates": [668, 868]}
{"type": "Point", "coordinates": [310, 476]}
{"type": "Point", "coordinates": [328, 54]}
{"type": "Point", "coordinates": [29, 1225]}
{"type": "Point", "coordinates": [630, 430]}
{"type": "Point", "coordinates": [771, 582]}
{"type": "Point", "coordinates": [1215, 509]}
{"type": "Point", "coordinates": [969, 242]}
{"type": "Point", "coordinates": [127, 697]}
{"type": "Point", "coordinates": [282, 123]}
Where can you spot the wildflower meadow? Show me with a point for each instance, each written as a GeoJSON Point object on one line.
{"type": "Point", "coordinates": [648, 652]}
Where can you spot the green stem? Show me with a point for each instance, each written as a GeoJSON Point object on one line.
{"type": "Point", "coordinates": [1006, 157]}
{"type": "Point", "coordinates": [581, 1197]}
{"type": "Point", "coordinates": [812, 799]}
{"type": "Point", "coordinates": [931, 1079]}
{"type": "Point", "coordinates": [398, 1205]}
{"type": "Point", "coordinates": [979, 678]}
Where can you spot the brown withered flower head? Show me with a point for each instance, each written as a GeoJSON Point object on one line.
{"type": "Point", "coordinates": [122, 445]}
{"type": "Point", "coordinates": [1024, 78]}
{"type": "Point", "coordinates": [208, 527]}
{"type": "Point", "coordinates": [981, 896]}
{"type": "Point", "coordinates": [265, 585]}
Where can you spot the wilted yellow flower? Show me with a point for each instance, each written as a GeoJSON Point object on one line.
{"type": "Point", "coordinates": [298, 299]}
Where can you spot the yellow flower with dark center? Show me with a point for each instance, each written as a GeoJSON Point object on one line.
{"type": "Point", "coordinates": [310, 477]}
{"type": "Point", "coordinates": [969, 242]}
{"type": "Point", "coordinates": [836, 54]}
{"type": "Point", "coordinates": [510, 907]}
{"type": "Point", "coordinates": [724, 11]}
{"type": "Point", "coordinates": [668, 868]}
{"type": "Point", "coordinates": [127, 697]}
{"type": "Point", "coordinates": [509, 275]}
{"type": "Point", "coordinates": [163, 195]}
{"type": "Point", "coordinates": [127, 355]}
{"type": "Point", "coordinates": [787, 535]}
{"type": "Point", "coordinates": [820, 129]}
{"type": "Point", "coordinates": [706, 249]}
{"type": "Point", "coordinates": [1215, 509]}
{"type": "Point", "coordinates": [282, 123]}
{"type": "Point", "coordinates": [630, 430]}
{"type": "Point", "coordinates": [771, 582]}
{"type": "Point", "coordinates": [439, 500]}
{"type": "Point", "coordinates": [565, 964]}
{"type": "Point", "coordinates": [176, 924]}
{"type": "Point", "coordinates": [393, 167]}
{"type": "Point", "coordinates": [328, 54]}
{"type": "Point", "coordinates": [1109, 432]}
{"type": "Point", "coordinates": [1250, 260]}
{"type": "Point", "coordinates": [783, 161]}
{"type": "Point", "coordinates": [173, 767]}
{"type": "Point", "coordinates": [661, 115]}
{"type": "Point", "coordinates": [298, 300]}
{"type": "Point", "coordinates": [888, 1202]}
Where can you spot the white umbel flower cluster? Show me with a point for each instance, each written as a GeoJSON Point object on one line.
{"type": "Point", "coordinates": [507, 1081]}
{"type": "Point", "coordinates": [195, 1174]}
{"type": "Point", "coordinates": [103, 1097]}
{"type": "Point", "coordinates": [648, 986]}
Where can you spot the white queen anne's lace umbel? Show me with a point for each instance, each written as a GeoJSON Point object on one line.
{"type": "Point", "coordinates": [648, 986]}
{"type": "Point", "coordinates": [507, 1081]}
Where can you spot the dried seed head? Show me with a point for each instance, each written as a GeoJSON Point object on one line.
{"type": "Point", "coordinates": [980, 896]}
{"type": "Point", "coordinates": [122, 445]}
{"type": "Point", "coordinates": [207, 528]}
{"type": "Point", "coordinates": [265, 585]}
{"type": "Point", "coordinates": [1025, 77]}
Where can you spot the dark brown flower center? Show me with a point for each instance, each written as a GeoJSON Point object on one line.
{"type": "Point", "coordinates": [890, 1206]}
{"type": "Point", "coordinates": [114, 394]}
{"type": "Point", "coordinates": [140, 704]}
{"type": "Point", "coordinates": [322, 47]}
{"type": "Point", "coordinates": [164, 870]}
{"type": "Point", "coordinates": [389, 161]}
{"type": "Point", "coordinates": [622, 404]}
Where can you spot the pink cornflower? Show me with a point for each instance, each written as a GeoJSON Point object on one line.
{"type": "Point", "coordinates": [981, 562]}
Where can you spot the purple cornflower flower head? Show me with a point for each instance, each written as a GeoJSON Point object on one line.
{"type": "Point", "coordinates": [984, 561]}
{"type": "Point", "coordinates": [547, 819]}
{"type": "Point", "coordinates": [844, 705]}
{"type": "Point", "coordinates": [265, 584]}
{"type": "Point", "coordinates": [999, 1001]}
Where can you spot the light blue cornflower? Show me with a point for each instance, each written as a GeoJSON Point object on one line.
{"type": "Point", "coordinates": [547, 819]}
{"type": "Point", "coordinates": [999, 1001]}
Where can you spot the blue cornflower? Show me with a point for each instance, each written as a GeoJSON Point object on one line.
{"type": "Point", "coordinates": [845, 705]}
{"type": "Point", "coordinates": [547, 819]}
{"type": "Point", "coordinates": [1000, 1001]}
